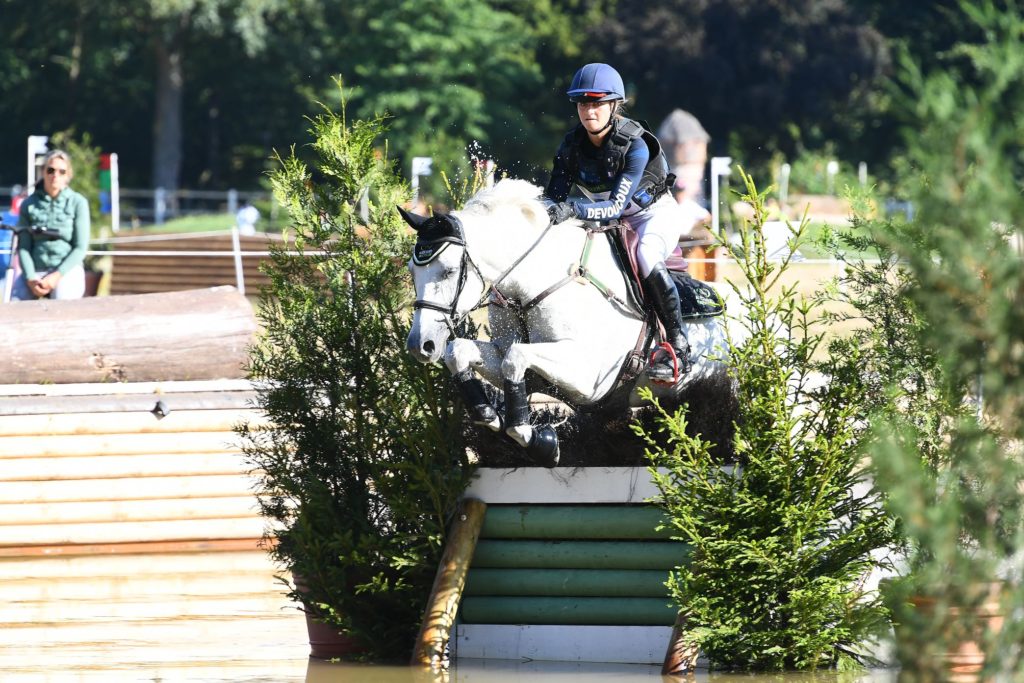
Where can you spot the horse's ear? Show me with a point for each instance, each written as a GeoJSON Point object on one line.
{"type": "Point", "coordinates": [415, 221]}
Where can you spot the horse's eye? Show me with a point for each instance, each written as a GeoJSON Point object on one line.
{"type": "Point", "coordinates": [450, 272]}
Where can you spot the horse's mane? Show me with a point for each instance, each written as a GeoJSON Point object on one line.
{"type": "Point", "coordinates": [509, 194]}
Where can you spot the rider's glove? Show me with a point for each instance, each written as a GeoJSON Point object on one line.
{"type": "Point", "coordinates": [560, 211]}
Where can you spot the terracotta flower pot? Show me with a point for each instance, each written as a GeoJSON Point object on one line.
{"type": "Point", "coordinates": [325, 641]}
{"type": "Point", "coordinates": [964, 659]}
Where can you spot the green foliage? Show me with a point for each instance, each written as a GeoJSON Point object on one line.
{"type": "Point", "coordinates": [782, 539]}
{"type": "Point", "coordinates": [809, 173]}
{"type": "Point", "coordinates": [460, 75]}
{"type": "Point", "coordinates": [364, 463]}
{"type": "Point", "coordinates": [759, 91]}
{"type": "Point", "coordinates": [956, 480]}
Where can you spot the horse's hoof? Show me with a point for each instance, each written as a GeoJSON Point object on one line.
{"type": "Point", "coordinates": [543, 446]}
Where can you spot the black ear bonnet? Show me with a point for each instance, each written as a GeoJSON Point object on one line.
{"type": "Point", "coordinates": [434, 235]}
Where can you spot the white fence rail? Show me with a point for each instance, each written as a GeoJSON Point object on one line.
{"type": "Point", "coordinates": [154, 206]}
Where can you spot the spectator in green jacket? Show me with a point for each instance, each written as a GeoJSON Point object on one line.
{"type": "Point", "coordinates": [54, 236]}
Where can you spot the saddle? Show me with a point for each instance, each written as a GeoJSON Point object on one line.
{"type": "Point", "coordinates": [697, 299]}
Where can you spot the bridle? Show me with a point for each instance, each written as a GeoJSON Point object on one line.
{"type": "Point", "coordinates": [451, 309]}
{"type": "Point", "coordinates": [451, 319]}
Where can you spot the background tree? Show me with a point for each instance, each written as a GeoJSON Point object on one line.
{"type": "Point", "coordinates": [762, 76]}
{"type": "Point", "coordinates": [238, 76]}
{"type": "Point", "coordinates": [450, 73]}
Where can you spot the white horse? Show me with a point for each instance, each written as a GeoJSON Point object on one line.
{"type": "Point", "coordinates": [558, 305]}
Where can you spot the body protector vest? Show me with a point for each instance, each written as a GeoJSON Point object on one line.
{"type": "Point", "coordinates": [597, 175]}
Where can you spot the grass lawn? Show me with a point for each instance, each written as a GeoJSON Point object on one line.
{"type": "Point", "coordinates": [207, 222]}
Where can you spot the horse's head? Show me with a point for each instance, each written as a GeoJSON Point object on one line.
{"type": "Point", "coordinates": [447, 283]}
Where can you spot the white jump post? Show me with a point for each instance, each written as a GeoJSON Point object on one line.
{"type": "Point", "coordinates": [720, 166]}
{"type": "Point", "coordinates": [784, 183]}
{"type": "Point", "coordinates": [832, 169]}
{"type": "Point", "coordinates": [115, 194]}
{"type": "Point", "coordinates": [36, 148]}
{"type": "Point", "coordinates": [236, 247]}
{"type": "Point", "coordinates": [420, 166]}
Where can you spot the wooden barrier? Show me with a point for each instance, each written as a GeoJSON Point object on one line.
{"type": "Point", "coordinates": [194, 335]}
{"type": "Point", "coordinates": [147, 274]}
{"type": "Point", "coordinates": [75, 482]}
{"type": "Point", "coordinates": [446, 593]}
{"type": "Point", "coordinates": [131, 542]}
{"type": "Point", "coordinates": [571, 565]}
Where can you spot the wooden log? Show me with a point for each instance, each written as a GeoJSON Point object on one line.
{"type": "Point", "coordinates": [57, 569]}
{"type": "Point", "coordinates": [122, 466]}
{"type": "Point", "coordinates": [138, 422]}
{"type": "Point", "coordinates": [446, 593]}
{"type": "Point", "coordinates": [127, 510]}
{"type": "Point", "coordinates": [581, 554]}
{"type": "Point", "coordinates": [143, 488]}
{"type": "Point", "coordinates": [195, 334]}
{"type": "Point", "coordinates": [66, 446]}
{"type": "Point", "coordinates": [128, 532]}
{"type": "Point", "coordinates": [632, 583]}
{"type": "Point", "coordinates": [680, 657]}
{"type": "Point", "coordinates": [121, 588]}
{"type": "Point", "coordinates": [634, 522]}
{"type": "Point", "coordinates": [77, 550]}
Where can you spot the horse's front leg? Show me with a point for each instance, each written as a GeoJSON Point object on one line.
{"type": "Point", "coordinates": [466, 357]}
{"type": "Point", "coordinates": [558, 362]}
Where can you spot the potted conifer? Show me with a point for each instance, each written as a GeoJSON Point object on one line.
{"type": "Point", "coordinates": [949, 452]}
{"type": "Point", "coordinates": [783, 540]}
{"type": "Point", "coordinates": [363, 463]}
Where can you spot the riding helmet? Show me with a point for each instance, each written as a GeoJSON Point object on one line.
{"type": "Point", "coordinates": [596, 82]}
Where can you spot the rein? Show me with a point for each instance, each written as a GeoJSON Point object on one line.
{"type": "Point", "coordinates": [578, 272]}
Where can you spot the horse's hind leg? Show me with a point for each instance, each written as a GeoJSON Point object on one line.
{"type": "Point", "coordinates": [465, 356]}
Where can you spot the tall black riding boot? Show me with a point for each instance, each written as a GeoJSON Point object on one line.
{"type": "Point", "coordinates": [662, 293]}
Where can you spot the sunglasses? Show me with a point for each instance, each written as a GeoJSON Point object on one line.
{"type": "Point", "coordinates": [50, 170]}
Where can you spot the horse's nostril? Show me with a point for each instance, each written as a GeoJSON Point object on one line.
{"type": "Point", "coordinates": [428, 347]}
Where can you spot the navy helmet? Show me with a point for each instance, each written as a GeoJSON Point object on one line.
{"type": "Point", "coordinates": [596, 83]}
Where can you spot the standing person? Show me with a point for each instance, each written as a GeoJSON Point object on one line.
{"type": "Point", "coordinates": [54, 236]}
{"type": "Point", "coordinates": [623, 172]}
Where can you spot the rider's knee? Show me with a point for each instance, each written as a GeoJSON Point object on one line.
{"type": "Point", "coordinates": [651, 251]}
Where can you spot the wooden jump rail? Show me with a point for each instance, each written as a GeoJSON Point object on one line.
{"type": "Point", "coordinates": [125, 478]}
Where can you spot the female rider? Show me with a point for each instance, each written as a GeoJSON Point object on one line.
{"type": "Point", "coordinates": [624, 173]}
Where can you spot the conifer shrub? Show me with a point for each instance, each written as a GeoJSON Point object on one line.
{"type": "Point", "coordinates": [364, 460]}
{"type": "Point", "coordinates": [783, 540]}
{"type": "Point", "coordinates": [955, 481]}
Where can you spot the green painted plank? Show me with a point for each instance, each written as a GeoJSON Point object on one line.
{"type": "Point", "coordinates": [580, 554]}
{"type": "Point", "coordinates": [638, 583]}
{"type": "Point", "coordinates": [590, 611]}
{"type": "Point", "coordinates": [628, 522]}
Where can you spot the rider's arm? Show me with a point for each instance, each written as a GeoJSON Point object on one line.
{"type": "Point", "coordinates": [561, 179]}
{"type": "Point", "coordinates": [626, 186]}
